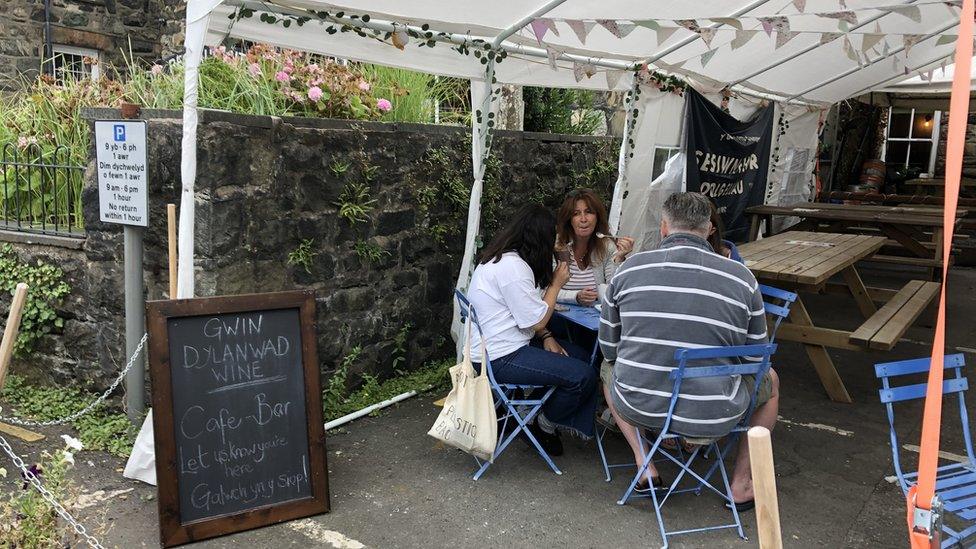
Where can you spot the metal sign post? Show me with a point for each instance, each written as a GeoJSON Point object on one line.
{"type": "Point", "coordinates": [120, 148]}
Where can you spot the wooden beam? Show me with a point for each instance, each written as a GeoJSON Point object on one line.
{"type": "Point", "coordinates": [818, 356]}
{"type": "Point", "coordinates": [764, 488]}
{"type": "Point", "coordinates": [11, 329]}
{"type": "Point", "coordinates": [860, 293]}
{"type": "Point", "coordinates": [815, 335]}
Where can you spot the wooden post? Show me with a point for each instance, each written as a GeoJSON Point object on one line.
{"type": "Point", "coordinates": [11, 329]}
{"type": "Point", "coordinates": [764, 488]}
{"type": "Point", "coordinates": [6, 353]}
{"type": "Point", "coordinates": [171, 221]}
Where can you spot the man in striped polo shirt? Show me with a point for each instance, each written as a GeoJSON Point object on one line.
{"type": "Point", "coordinates": [683, 294]}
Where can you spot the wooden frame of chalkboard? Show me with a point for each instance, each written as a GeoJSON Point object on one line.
{"type": "Point", "coordinates": [171, 462]}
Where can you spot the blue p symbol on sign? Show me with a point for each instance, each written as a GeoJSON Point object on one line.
{"type": "Point", "coordinates": [119, 132]}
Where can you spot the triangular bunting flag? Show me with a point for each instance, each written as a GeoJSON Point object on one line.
{"type": "Point", "coordinates": [689, 24]}
{"type": "Point", "coordinates": [648, 23]}
{"type": "Point", "coordinates": [885, 48]}
{"type": "Point", "coordinates": [707, 34]}
{"type": "Point", "coordinates": [894, 64]}
{"type": "Point", "coordinates": [829, 37]}
{"type": "Point", "coordinates": [730, 21]}
{"type": "Point", "coordinates": [850, 51]}
{"type": "Point", "coordinates": [910, 40]}
{"type": "Point", "coordinates": [552, 26]}
{"type": "Point", "coordinates": [845, 16]}
{"type": "Point", "coordinates": [613, 77]}
{"type": "Point", "coordinates": [911, 12]}
{"type": "Point", "coordinates": [778, 24]}
{"type": "Point", "coordinates": [707, 56]}
{"type": "Point", "coordinates": [800, 5]}
{"type": "Point", "coordinates": [539, 27]}
{"type": "Point", "coordinates": [782, 37]}
{"type": "Point", "coordinates": [767, 25]}
{"type": "Point", "coordinates": [925, 76]}
{"type": "Point", "coordinates": [589, 70]}
{"type": "Point", "coordinates": [625, 29]}
{"type": "Point", "coordinates": [943, 66]}
{"type": "Point", "coordinates": [843, 4]}
{"type": "Point", "coordinates": [946, 39]}
{"type": "Point", "coordinates": [742, 37]}
{"type": "Point", "coordinates": [578, 72]}
{"type": "Point", "coordinates": [581, 28]}
{"type": "Point", "coordinates": [610, 25]}
{"type": "Point", "coordinates": [663, 33]}
{"type": "Point", "coordinates": [553, 53]}
{"type": "Point", "coordinates": [931, 71]}
{"type": "Point", "coordinates": [870, 40]}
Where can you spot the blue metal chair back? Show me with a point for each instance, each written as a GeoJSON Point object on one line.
{"type": "Point", "coordinates": [778, 311]}
{"type": "Point", "coordinates": [697, 364]}
{"type": "Point", "coordinates": [891, 394]}
{"type": "Point", "coordinates": [520, 410]}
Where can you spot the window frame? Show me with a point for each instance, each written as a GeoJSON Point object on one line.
{"type": "Point", "coordinates": [672, 151]}
{"type": "Point", "coordinates": [94, 70]}
{"type": "Point", "coordinates": [933, 139]}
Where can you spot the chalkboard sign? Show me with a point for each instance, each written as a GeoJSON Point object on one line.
{"type": "Point", "coordinates": [237, 413]}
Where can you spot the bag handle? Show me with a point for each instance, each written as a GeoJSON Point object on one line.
{"type": "Point", "coordinates": [467, 344]}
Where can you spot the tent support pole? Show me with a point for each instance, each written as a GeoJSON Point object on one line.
{"type": "Point", "coordinates": [901, 76]}
{"type": "Point", "coordinates": [849, 72]}
{"type": "Point", "coordinates": [626, 146]}
{"type": "Point", "coordinates": [809, 49]}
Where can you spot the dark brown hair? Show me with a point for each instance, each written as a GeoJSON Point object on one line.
{"type": "Point", "coordinates": [718, 232]}
{"type": "Point", "coordinates": [530, 234]}
{"type": "Point", "coordinates": [595, 248]}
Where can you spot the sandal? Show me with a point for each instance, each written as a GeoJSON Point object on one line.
{"type": "Point", "coordinates": [672, 445]}
{"type": "Point", "coordinates": [643, 488]}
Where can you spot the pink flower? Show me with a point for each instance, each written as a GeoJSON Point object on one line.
{"type": "Point", "coordinates": [254, 69]}
{"type": "Point", "coordinates": [315, 93]}
{"type": "Point", "coordinates": [288, 69]}
{"type": "Point", "coordinates": [364, 85]}
{"type": "Point", "coordinates": [282, 76]}
{"type": "Point", "coordinates": [384, 105]}
{"type": "Point", "coordinates": [156, 70]}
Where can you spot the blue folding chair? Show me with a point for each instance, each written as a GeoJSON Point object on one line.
{"type": "Point", "coordinates": [512, 402]}
{"type": "Point", "coordinates": [955, 484]}
{"type": "Point", "coordinates": [777, 304]}
{"type": "Point", "coordinates": [776, 312]}
{"type": "Point", "coordinates": [705, 362]}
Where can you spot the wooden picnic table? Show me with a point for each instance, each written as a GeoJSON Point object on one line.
{"type": "Point", "coordinates": [804, 262]}
{"type": "Point", "coordinates": [916, 228]}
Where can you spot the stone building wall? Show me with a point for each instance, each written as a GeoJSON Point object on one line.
{"type": "Point", "coordinates": [266, 185]}
{"type": "Point", "coordinates": [152, 28]}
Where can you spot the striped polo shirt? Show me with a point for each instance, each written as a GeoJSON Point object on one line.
{"type": "Point", "coordinates": [679, 295]}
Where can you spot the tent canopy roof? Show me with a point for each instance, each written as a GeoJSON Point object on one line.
{"type": "Point", "coordinates": [802, 69]}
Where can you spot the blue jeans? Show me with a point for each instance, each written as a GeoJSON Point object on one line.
{"type": "Point", "coordinates": [573, 403]}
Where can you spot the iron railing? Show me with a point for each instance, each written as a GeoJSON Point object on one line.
{"type": "Point", "coordinates": [41, 190]}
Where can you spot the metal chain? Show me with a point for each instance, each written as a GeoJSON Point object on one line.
{"type": "Point", "coordinates": [91, 405]}
{"type": "Point", "coordinates": [48, 496]}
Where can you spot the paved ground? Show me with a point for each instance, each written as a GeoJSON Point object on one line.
{"type": "Point", "coordinates": [393, 486]}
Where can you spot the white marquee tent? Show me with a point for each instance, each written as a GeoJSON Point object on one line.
{"type": "Point", "coordinates": [802, 54]}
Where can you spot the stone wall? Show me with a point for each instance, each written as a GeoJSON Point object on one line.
{"type": "Point", "coordinates": [265, 185]}
{"type": "Point", "coordinates": [151, 28]}
{"type": "Point", "coordinates": [969, 152]}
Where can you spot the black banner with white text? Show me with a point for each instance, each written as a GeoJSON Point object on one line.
{"type": "Point", "coordinates": [728, 159]}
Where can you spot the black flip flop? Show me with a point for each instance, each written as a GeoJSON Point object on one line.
{"type": "Point", "coordinates": [742, 506]}
{"type": "Point", "coordinates": [642, 488]}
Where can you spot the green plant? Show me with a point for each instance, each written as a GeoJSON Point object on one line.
{"type": "Point", "coordinates": [369, 172]}
{"type": "Point", "coordinates": [432, 377]}
{"type": "Point", "coordinates": [100, 429]}
{"type": "Point", "coordinates": [46, 291]}
{"type": "Point", "coordinates": [303, 254]}
{"type": "Point", "coordinates": [370, 252]}
{"type": "Point", "coordinates": [26, 518]}
{"type": "Point", "coordinates": [400, 345]}
{"type": "Point", "coordinates": [335, 394]}
{"type": "Point", "coordinates": [338, 168]}
{"type": "Point", "coordinates": [446, 188]}
{"type": "Point", "coordinates": [416, 96]}
{"type": "Point", "coordinates": [557, 110]}
{"type": "Point", "coordinates": [354, 203]}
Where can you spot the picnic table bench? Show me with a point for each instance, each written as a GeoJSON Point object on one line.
{"type": "Point", "coordinates": [805, 262]}
{"type": "Point", "coordinates": [916, 229]}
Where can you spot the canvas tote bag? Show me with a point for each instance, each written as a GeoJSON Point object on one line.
{"type": "Point", "coordinates": [468, 419]}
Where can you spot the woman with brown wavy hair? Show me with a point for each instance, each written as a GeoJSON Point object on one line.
{"type": "Point", "coordinates": [592, 259]}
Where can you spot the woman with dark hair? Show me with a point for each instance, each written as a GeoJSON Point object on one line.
{"type": "Point", "coordinates": [715, 238]}
{"type": "Point", "coordinates": [592, 259]}
{"type": "Point", "coordinates": [505, 291]}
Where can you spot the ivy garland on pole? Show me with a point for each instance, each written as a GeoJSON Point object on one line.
{"type": "Point", "coordinates": [782, 124]}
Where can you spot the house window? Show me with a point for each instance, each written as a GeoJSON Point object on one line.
{"type": "Point", "coordinates": [912, 139]}
{"type": "Point", "coordinates": [70, 62]}
{"type": "Point", "coordinates": [661, 157]}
